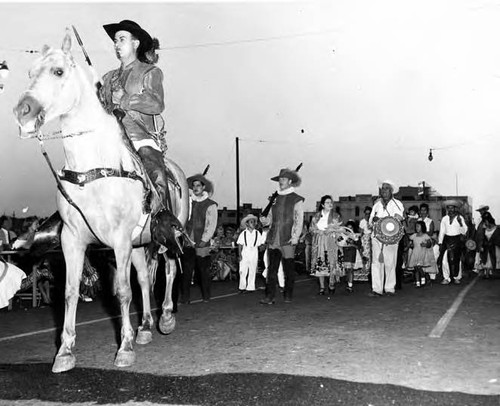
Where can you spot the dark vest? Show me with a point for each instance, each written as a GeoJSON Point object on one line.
{"type": "Point", "coordinates": [282, 222]}
{"type": "Point", "coordinates": [196, 223]}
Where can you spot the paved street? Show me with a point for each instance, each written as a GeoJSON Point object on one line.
{"type": "Point", "coordinates": [349, 350]}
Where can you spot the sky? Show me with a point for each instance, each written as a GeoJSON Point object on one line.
{"type": "Point", "coordinates": [358, 91]}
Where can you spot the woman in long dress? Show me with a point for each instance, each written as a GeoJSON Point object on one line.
{"type": "Point", "coordinates": [324, 250]}
{"type": "Point", "coordinates": [491, 242]}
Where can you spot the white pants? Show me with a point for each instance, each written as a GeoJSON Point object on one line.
{"type": "Point", "coordinates": [281, 274]}
{"type": "Point", "coordinates": [385, 269]}
{"type": "Point", "coordinates": [248, 270]}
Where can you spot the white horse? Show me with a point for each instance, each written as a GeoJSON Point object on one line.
{"type": "Point", "coordinates": [111, 207]}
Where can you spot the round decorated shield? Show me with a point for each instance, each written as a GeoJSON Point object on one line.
{"type": "Point", "coordinates": [470, 245]}
{"type": "Point", "coordinates": [389, 230]}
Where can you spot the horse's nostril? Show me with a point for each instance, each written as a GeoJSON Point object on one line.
{"type": "Point", "coordinates": [25, 109]}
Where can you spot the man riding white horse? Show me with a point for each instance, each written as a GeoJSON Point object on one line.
{"type": "Point", "coordinates": [134, 93]}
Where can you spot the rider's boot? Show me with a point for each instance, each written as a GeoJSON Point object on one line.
{"type": "Point", "coordinates": [163, 222]}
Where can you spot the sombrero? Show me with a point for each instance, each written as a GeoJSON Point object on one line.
{"type": "Point", "coordinates": [395, 189]}
{"type": "Point", "coordinates": [289, 174]}
{"type": "Point", "coordinates": [470, 245]}
{"type": "Point", "coordinates": [452, 202]}
{"type": "Point", "coordinates": [135, 29]}
{"type": "Point", "coordinates": [246, 218]}
{"type": "Point", "coordinates": [209, 186]}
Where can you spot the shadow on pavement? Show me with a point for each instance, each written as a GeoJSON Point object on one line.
{"type": "Point", "coordinates": [35, 381]}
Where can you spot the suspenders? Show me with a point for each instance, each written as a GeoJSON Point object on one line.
{"type": "Point", "coordinates": [245, 237]}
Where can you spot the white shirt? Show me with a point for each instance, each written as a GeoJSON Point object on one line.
{"type": "Point", "coordinates": [322, 223]}
{"type": "Point", "coordinates": [393, 207]}
{"type": "Point", "coordinates": [363, 225]}
{"type": "Point", "coordinates": [452, 229]}
{"type": "Point", "coordinates": [250, 240]}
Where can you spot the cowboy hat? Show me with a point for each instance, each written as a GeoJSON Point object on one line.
{"type": "Point", "coordinates": [135, 29]}
{"type": "Point", "coordinates": [483, 207]}
{"type": "Point", "coordinates": [209, 186]}
{"type": "Point", "coordinates": [452, 202]}
{"type": "Point", "coordinates": [395, 189]}
{"type": "Point", "coordinates": [289, 174]}
{"type": "Point", "coordinates": [246, 218]}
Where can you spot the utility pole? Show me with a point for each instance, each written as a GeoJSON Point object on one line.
{"type": "Point", "coordinates": [237, 182]}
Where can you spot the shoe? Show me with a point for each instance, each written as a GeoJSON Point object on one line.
{"type": "Point", "coordinates": [282, 290]}
{"type": "Point", "coordinates": [390, 294]}
{"type": "Point", "coordinates": [267, 301]}
{"type": "Point", "coordinates": [445, 282]}
{"type": "Point", "coordinates": [288, 300]}
{"type": "Point", "coordinates": [349, 289]}
{"type": "Point", "coordinates": [375, 294]}
{"type": "Point", "coordinates": [240, 291]}
{"type": "Point", "coordinates": [417, 284]}
{"type": "Point", "coordinates": [456, 281]}
{"type": "Point", "coordinates": [321, 292]}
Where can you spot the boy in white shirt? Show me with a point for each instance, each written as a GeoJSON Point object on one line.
{"type": "Point", "coordinates": [248, 242]}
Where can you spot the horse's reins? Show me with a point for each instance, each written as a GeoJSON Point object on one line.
{"type": "Point", "coordinates": [61, 188]}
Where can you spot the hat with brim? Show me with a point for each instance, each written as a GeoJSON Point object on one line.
{"type": "Point", "coordinates": [135, 29]}
{"type": "Point", "coordinates": [209, 186]}
{"type": "Point", "coordinates": [246, 218]}
{"type": "Point", "coordinates": [395, 189]}
{"type": "Point", "coordinates": [289, 174]}
{"type": "Point", "coordinates": [483, 207]}
{"type": "Point", "coordinates": [454, 203]}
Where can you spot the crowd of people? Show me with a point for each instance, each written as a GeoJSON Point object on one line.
{"type": "Point", "coordinates": [334, 248]}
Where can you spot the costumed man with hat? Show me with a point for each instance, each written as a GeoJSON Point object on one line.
{"type": "Point", "coordinates": [384, 256]}
{"type": "Point", "coordinates": [452, 228]}
{"type": "Point", "coordinates": [248, 242]}
{"type": "Point", "coordinates": [285, 221]}
{"type": "Point", "coordinates": [200, 228]}
{"type": "Point", "coordinates": [134, 93]}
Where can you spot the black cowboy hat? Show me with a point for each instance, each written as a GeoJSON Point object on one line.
{"type": "Point", "coordinates": [135, 29]}
{"type": "Point", "coordinates": [209, 187]}
{"type": "Point", "coordinates": [289, 174]}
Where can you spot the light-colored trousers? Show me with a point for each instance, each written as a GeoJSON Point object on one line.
{"type": "Point", "coordinates": [248, 270]}
{"type": "Point", "coordinates": [384, 273]}
{"type": "Point", "coordinates": [281, 274]}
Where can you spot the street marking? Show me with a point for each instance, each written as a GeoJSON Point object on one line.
{"type": "Point", "coordinates": [443, 322]}
{"type": "Point", "coordinates": [84, 323]}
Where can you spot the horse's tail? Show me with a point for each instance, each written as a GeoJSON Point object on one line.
{"type": "Point", "coordinates": [151, 251]}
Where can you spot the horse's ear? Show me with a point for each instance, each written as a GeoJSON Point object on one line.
{"type": "Point", "coordinates": [45, 49]}
{"type": "Point", "coordinates": [66, 45]}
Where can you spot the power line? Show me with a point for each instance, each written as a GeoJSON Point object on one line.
{"type": "Point", "coordinates": [244, 41]}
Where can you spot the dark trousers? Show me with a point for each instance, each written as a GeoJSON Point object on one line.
{"type": "Point", "coordinates": [191, 263]}
{"type": "Point", "coordinates": [453, 244]}
{"type": "Point", "coordinates": [275, 256]}
{"type": "Point", "coordinates": [399, 263]}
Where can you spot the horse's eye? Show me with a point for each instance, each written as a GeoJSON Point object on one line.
{"type": "Point", "coordinates": [58, 72]}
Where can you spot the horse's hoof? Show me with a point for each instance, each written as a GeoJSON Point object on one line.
{"type": "Point", "coordinates": [167, 325]}
{"type": "Point", "coordinates": [124, 359]}
{"type": "Point", "coordinates": [143, 337]}
{"type": "Point", "coordinates": [63, 363]}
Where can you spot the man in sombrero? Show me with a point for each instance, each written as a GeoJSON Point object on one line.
{"type": "Point", "coordinates": [384, 256]}
{"type": "Point", "coordinates": [200, 228]}
{"type": "Point", "coordinates": [134, 93]}
{"type": "Point", "coordinates": [451, 230]}
{"type": "Point", "coordinates": [286, 220]}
